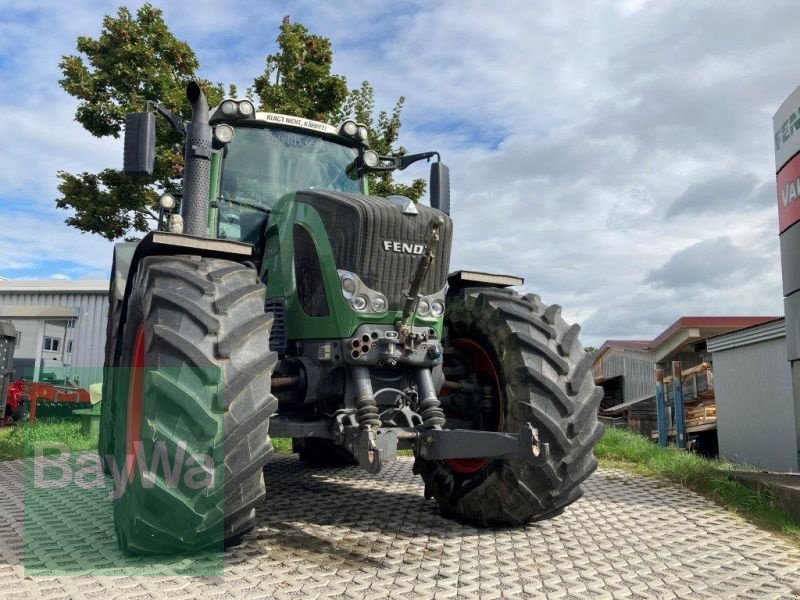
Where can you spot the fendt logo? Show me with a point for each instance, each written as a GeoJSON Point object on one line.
{"type": "Point", "coordinates": [403, 247]}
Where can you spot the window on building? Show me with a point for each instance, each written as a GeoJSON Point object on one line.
{"type": "Point", "coordinates": [69, 346]}
{"type": "Point", "coordinates": [52, 344]}
{"type": "Point", "coordinates": [19, 339]}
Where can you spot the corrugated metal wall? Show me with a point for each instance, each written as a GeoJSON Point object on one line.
{"type": "Point", "coordinates": [755, 409]}
{"type": "Point", "coordinates": [89, 335]}
{"type": "Point", "coordinates": [638, 373]}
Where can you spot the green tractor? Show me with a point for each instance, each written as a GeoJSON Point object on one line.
{"type": "Point", "coordinates": [283, 300]}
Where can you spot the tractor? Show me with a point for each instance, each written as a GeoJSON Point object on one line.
{"type": "Point", "coordinates": [276, 297]}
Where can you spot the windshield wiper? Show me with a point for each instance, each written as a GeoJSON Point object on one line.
{"type": "Point", "coordinates": [247, 203]}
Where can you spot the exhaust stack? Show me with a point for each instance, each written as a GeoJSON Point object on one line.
{"type": "Point", "coordinates": [197, 165]}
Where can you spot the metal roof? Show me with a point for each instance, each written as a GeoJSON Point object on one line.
{"type": "Point", "coordinates": [58, 286]}
{"type": "Point", "coordinates": [682, 331]}
{"type": "Point", "coordinates": [770, 330]}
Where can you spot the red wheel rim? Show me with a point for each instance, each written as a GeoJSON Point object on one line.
{"type": "Point", "coordinates": [481, 364]}
{"type": "Point", "coordinates": [135, 393]}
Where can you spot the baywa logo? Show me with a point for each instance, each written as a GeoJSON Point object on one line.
{"type": "Point", "coordinates": [54, 467]}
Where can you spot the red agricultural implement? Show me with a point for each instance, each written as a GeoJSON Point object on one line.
{"type": "Point", "coordinates": [44, 400]}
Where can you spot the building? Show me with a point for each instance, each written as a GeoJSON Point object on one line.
{"type": "Point", "coordinates": [626, 371]}
{"type": "Point", "coordinates": [60, 326]}
{"type": "Point", "coordinates": [758, 421]}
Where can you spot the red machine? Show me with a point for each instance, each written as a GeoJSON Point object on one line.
{"type": "Point", "coordinates": [55, 400]}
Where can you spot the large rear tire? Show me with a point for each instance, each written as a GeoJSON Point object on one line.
{"type": "Point", "coordinates": [531, 361]}
{"type": "Point", "coordinates": [193, 380]}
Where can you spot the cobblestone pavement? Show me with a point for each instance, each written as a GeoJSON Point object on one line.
{"type": "Point", "coordinates": [344, 534]}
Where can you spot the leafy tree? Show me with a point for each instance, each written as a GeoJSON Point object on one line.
{"type": "Point", "coordinates": [137, 58]}
{"type": "Point", "coordinates": [134, 59]}
{"type": "Point", "coordinates": [297, 79]}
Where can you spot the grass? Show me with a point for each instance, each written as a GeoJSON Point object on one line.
{"type": "Point", "coordinates": [632, 452]}
{"type": "Point", "coordinates": [13, 439]}
{"type": "Point", "coordinates": [282, 445]}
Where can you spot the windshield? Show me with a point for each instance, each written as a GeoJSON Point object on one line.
{"type": "Point", "coordinates": [261, 165]}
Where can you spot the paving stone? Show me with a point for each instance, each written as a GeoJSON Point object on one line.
{"type": "Point", "coordinates": [340, 533]}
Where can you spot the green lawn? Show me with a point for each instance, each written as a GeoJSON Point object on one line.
{"type": "Point", "coordinates": [632, 452]}
{"type": "Point", "coordinates": [282, 445]}
{"type": "Point", "coordinates": [13, 439]}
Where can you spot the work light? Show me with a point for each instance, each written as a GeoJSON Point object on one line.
{"type": "Point", "coordinates": [224, 133]}
{"type": "Point", "coordinates": [349, 128]}
{"type": "Point", "coordinates": [167, 201]}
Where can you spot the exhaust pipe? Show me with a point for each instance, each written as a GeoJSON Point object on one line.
{"type": "Point", "coordinates": [196, 165]}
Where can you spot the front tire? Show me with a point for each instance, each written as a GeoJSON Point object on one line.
{"type": "Point", "coordinates": [532, 360]}
{"type": "Point", "coordinates": [194, 381]}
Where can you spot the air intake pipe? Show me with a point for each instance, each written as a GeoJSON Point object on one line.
{"type": "Point", "coordinates": [197, 165]}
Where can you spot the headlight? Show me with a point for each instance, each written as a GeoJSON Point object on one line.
{"type": "Point", "coordinates": [224, 133]}
{"type": "Point", "coordinates": [437, 308]}
{"type": "Point", "coordinates": [349, 128]}
{"type": "Point", "coordinates": [380, 303]}
{"type": "Point", "coordinates": [228, 108]}
{"type": "Point", "coordinates": [348, 287]}
{"type": "Point", "coordinates": [371, 158]}
{"type": "Point", "coordinates": [363, 133]}
{"type": "Point", "coordinates": [359, 303]}
{"type": "Point", "coordinates": [423, 307]}
{"type": "Point", "coordinates": [167, 201]}
{"type": "Point", "coordinates": [246, 108]}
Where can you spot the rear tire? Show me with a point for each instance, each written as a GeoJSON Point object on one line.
{"type": "Point", "coordinates": [544, 378]}
{"type": "Point", "coordinates": [320, 452]}
{"type": "Point", "coordinates": [198, 327]}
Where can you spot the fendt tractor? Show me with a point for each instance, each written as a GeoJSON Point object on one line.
{"type": "Point", "coordinates": [276, 297]}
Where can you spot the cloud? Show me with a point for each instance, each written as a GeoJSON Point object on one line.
{"type": "Point", "coordinates": [704, 263]}
{"type": "Point", "coordinates": [723, 193]}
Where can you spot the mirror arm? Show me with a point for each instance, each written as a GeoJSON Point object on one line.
{"type": "Point", "coordinates": [174, 120]}
{"type": "Point", "coordinates": [408, 159]}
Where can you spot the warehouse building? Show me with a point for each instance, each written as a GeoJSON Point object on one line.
{"type": "Point", "coordinates": [625, 369]}
{"type": "Point", "coordinates": [60, 325]}
{"type": "Point", "coordinates": [758, 422]}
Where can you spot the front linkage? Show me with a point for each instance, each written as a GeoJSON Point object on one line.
{"type": "Point", "coordinates": [374, 447]}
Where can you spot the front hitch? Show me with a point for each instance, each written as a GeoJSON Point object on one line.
{"type": "Point", "coordinates": [374, 448]}
{"type": "Point", "coordinates": [442, 444]}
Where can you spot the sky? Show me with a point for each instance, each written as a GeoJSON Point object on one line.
{"type": "Point", "coordinates": [617, 155]}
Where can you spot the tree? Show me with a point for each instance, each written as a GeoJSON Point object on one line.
{"type": "Point", "coordinates": [297, 79]}
{"type": "Point", "coordinates": [137, 58]}
{"type": "Point", "coordinates": [134, 59]}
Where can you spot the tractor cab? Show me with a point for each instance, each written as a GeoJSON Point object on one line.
{"type": "Point", "coordinates": [266, 157]}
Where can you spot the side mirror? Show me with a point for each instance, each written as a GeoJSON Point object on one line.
{"type": "Point", "coordinates": [440, 187]}
{"type": "Point", "coordinates": [140, 144]}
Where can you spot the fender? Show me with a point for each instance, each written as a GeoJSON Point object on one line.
{"type": "Point", "coordinates": [127, 256]}
{"type": "Point", "coordinates": [462, 279]}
